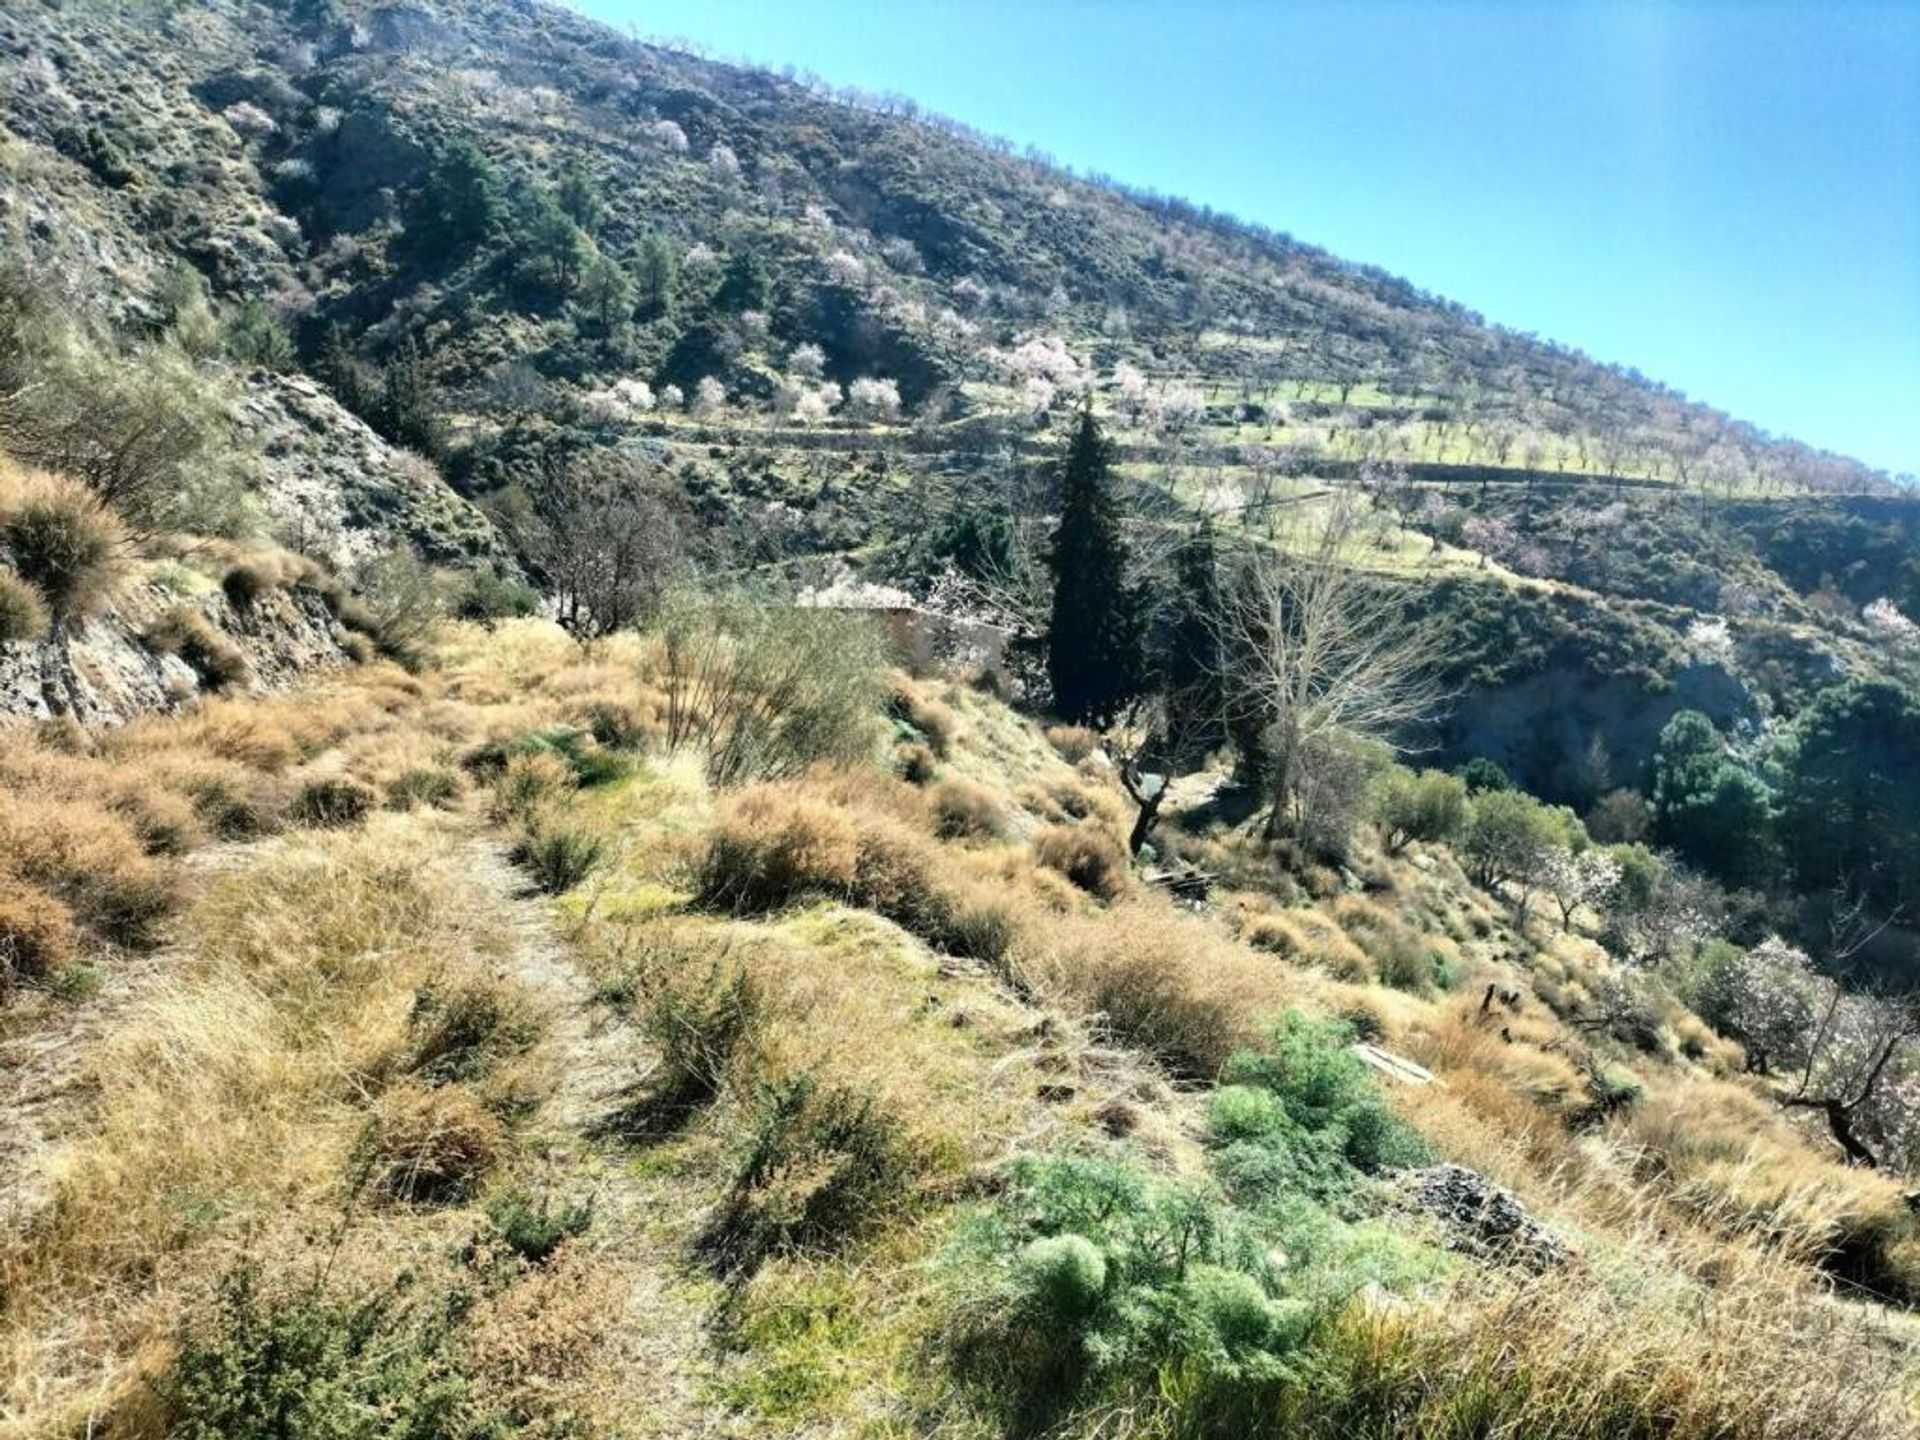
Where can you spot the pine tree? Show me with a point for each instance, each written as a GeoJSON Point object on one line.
{"type": "Point", "coordinates": [1094, 638]}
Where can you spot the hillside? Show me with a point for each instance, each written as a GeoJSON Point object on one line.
{"type": "Point", "coordinates": [511, 239]}
{"type": "Point", "coordinates": [681, 755]}
{"type": "Point", "coordinates": [772, 1118]}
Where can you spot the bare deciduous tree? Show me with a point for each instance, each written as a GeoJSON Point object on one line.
{"type": "Point", "coordinates": [1318, 649]}
{"type": "Point", "coordinates": [606, 535]}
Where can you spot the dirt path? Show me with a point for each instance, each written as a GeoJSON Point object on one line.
{"type": "Point", "coordinates": [641, 1218]}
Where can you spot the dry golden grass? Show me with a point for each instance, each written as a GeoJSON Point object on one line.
{"type": "Point", "coordinates": [967, 810]}
{"type": "Point", "coordinates": [1166, 983]}
{"type": "Point", "coordinates": [92, 861]}
{"type": "Point", "coordinates": [290, 1053]}
{"type": "Point", "coordinates": [236, 1093]}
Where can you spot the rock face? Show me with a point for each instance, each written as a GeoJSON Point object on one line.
{"type": "Point", "coordinates": [106, 670]}
{"type": "Point", "coordinates": [336, 490]}
{"type": "Point", "coordinates": [1482, 1219]}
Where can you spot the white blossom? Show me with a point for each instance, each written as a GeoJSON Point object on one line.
{"type": "Point", "coordinates": [1709, 641]}
{"type": "Point", "coordinates": [874, 399]}
{"type": "Point", "coordinates": [845, 268]}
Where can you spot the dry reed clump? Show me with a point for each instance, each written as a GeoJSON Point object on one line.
{"type": "Point", "coordinates": [966, 810]}
{"type": "Point", "coordinates": [1167, 983]}
{"type": "Point", "coordinates": [1308, 937]}
{"type": "Point", "coordinates": [186, 632]}
{"type": "Point", "coordinates": [233, 801]}
{"type": "Point", "coordinates": [783, 841]}
{"type": "Point", "coordinates": [1088, 855]}
{"type": "Point", "coordinates": [430, 1145]}
{"type": "Point", "coordinates": [259, 570]}
{"type": "Point", "coordinates": [916, 763]}
{"type": "Point", "coordinates": [23, 616]}
{"type": "Point", "coordinates": [931, 721]}
{"type": "Point", "coordinates": [92, 861]}
{"type": "Point", "coordinates": [333, 800]}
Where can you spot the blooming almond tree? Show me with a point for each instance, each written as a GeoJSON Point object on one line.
{"type": "Point", "coordinates": [1587, 877]}
{"type": "Point", "coordinates": [874, 399]}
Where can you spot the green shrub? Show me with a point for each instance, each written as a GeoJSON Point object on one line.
{"type": "Point", "coordinates": [824, 1166]}
{"type": "Point", "coordinates": [488, 595]}
{"type": "Point", "coordinates": [559, 857]}
{"type": "Point", "coordinates": [703, 1030]}
{"type": "Point", "coordinates": [527, 784]}
{"type": "Point", "coordinates": [265, 1362]}
{"type": "Point", "coordinates": [1430, 806]}
{"type": "Point", "coordinates": [767, 691]}
{"type": "Point", "coordinates": [1081, 1279]}
{"type": "Point", "coordinates": [575, 748]}
{"type": "Point", "coordinates": [1326, 1091]}
{"type": "Point", "coordinates": [22, 616]}
{"type": "Point", "coordinates": [532, 1229]}
{"type": "Point", "coordinates": [423, 785]}
{"type": "Point", "coordinates": [1245, 1112]}
{"type": "Point", "coordinates": [1063, 1277]}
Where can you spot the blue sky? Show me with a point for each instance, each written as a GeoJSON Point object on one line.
{"type": "Point", "coordinates": [1725, 194]}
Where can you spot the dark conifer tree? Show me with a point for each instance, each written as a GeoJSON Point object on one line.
{"type": "Point", "coordinates": [1094, 640]}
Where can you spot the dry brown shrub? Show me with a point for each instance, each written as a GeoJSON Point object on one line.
{"type": "Point", "coordinates": [916, 763]}
{"type": "Point", "coordinates": [232, 800]}
{"type": "Point", "coordinates": [431, 1146]}
{"type": "Point", "coordinates": [533, 1349]}
{"type": "Point", "coordinates": [62, 539]}
{"type": "Point", "coordinates": [1088, 855]}
{"type": "Point", "coordinates": [965, 809]}
{"type": "Point", "coordinates": [187, 633]}
{"type": "Point", "coordinates": [22, 615]}
{"type": "Point", "coordinates": [37, 935]}
{"type": "Point", "coordinates": [937, 725]}
{"type": "Point", "coordinates": [1167, 983]}
{"type": "Point", "coordinates": [90, 859]}
{"type": "Point", "coordinates": [1072, 743]}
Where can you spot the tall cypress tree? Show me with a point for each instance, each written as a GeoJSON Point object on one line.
{"type": "Point", "coordinates": [1094, 638]}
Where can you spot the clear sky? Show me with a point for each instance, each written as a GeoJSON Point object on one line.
{"type": "Point", "coordinates": [1725, 194]}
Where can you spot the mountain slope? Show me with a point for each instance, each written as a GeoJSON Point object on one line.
{"type": "Point", "coordinates": [516, 242]}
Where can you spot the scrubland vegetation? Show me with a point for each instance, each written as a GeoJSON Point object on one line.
{"type": "Point", "coordinates": [1374, 900]}
{"type": "Point", "coordinates": [833, 1099]}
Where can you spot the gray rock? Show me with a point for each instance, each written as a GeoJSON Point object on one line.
{"type": "Point", "coordinates": [1480, 1218]}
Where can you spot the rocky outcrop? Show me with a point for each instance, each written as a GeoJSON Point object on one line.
{"type": "Point", "coordinates": [111, 668]}
{"type": "Point", "coordinates": [335, 490]}
{"type": "Point", "coordinates": [1480, 1218]}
